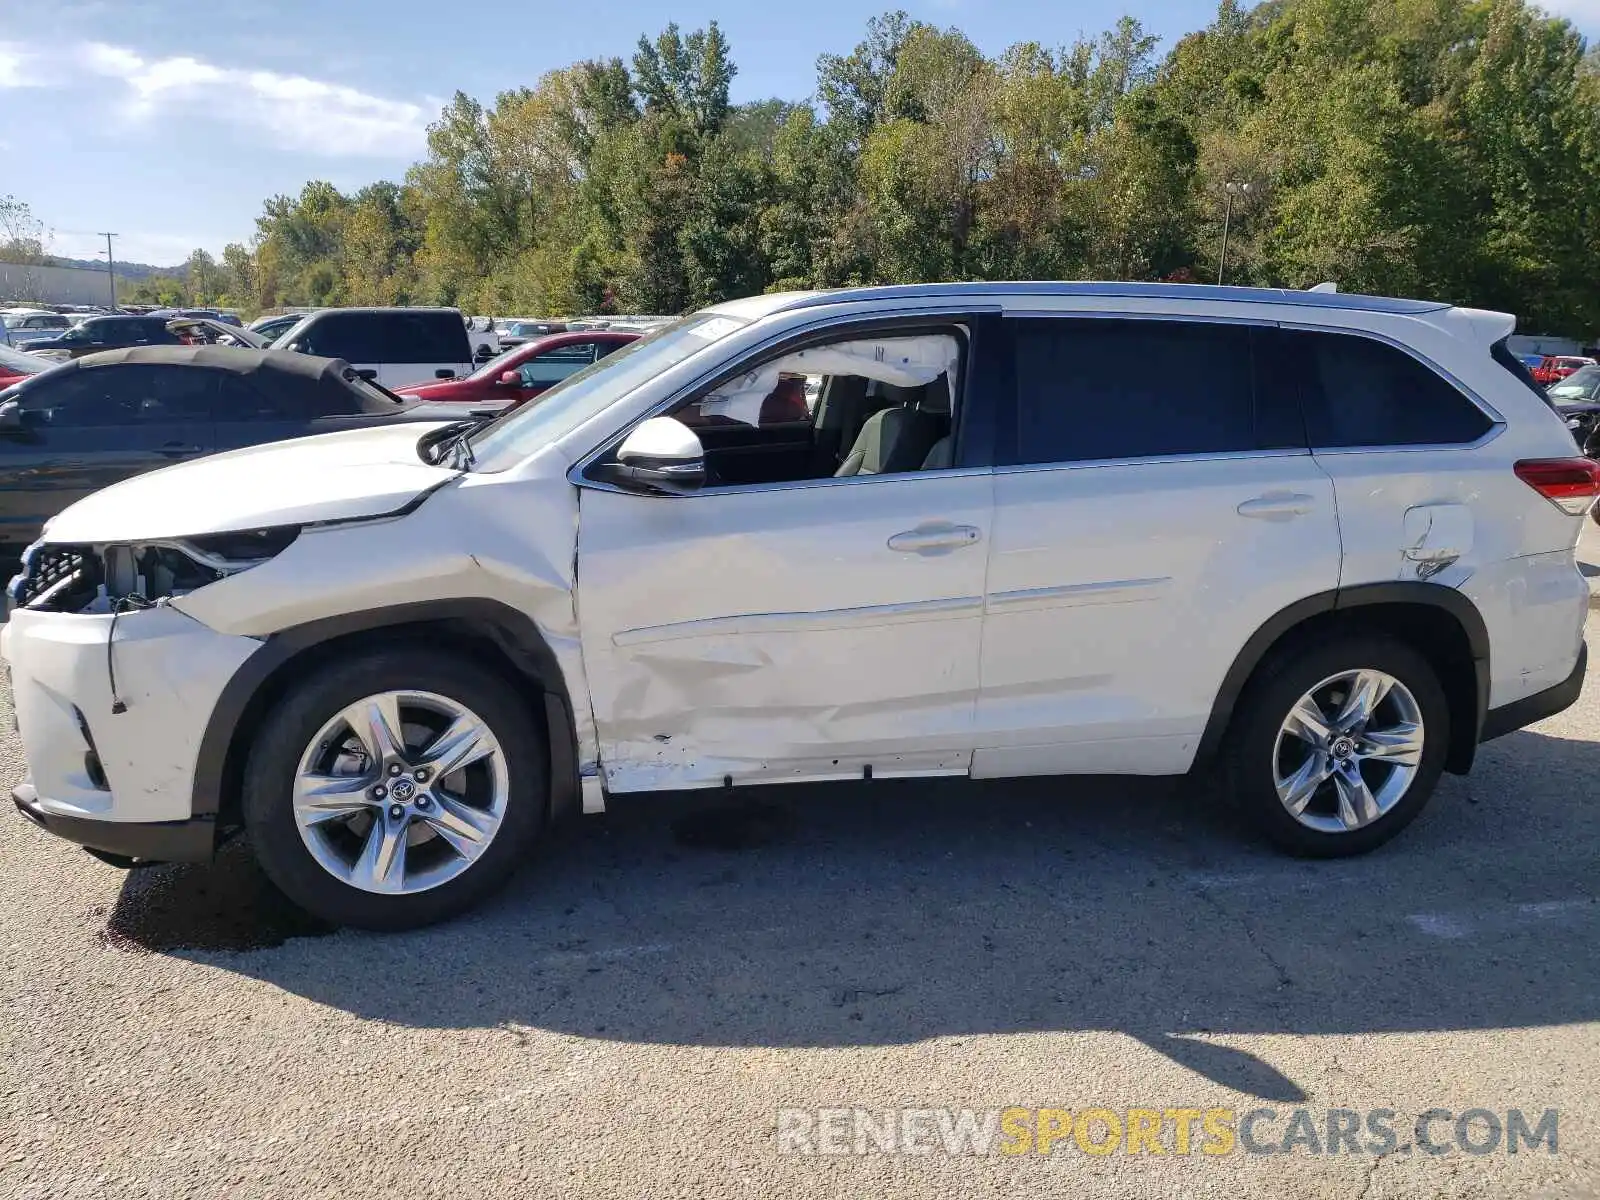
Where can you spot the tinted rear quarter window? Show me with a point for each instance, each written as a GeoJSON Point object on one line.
{"type": "Point", "coordinates": [1090, 388]}
{"type": "Point", "coordinates": [1358, 391]}
{"type": "Point", "coordinates": [423, 337]}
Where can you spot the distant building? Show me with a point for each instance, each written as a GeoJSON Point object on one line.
{"type": "Point", "coordinates": [53, 285]}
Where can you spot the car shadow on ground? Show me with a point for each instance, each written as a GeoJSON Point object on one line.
{"type": "Point", "coordinates": [890, 912]}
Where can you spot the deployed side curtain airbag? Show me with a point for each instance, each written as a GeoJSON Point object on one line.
{"type": "Point", "coordinates": [901, 361]}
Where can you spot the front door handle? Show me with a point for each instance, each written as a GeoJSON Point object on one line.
{"type": "Point", "coordinates": [1277, 506]}
{"type": "Point", "coordinates": [936, 537]}
{"type": "Point", "coordinates": [179, 450]}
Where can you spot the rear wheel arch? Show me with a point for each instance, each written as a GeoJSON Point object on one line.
{"type": "Point", "coordinates": [495, 635]}
{"type": "Point", "coordinates": [1441, 623]}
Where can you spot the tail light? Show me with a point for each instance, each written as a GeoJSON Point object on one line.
{"type": "Point", "coordinates": [1571, 484]}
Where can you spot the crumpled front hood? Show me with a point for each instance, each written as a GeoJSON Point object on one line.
{"type": "Point", "coordinates": [335, 476]}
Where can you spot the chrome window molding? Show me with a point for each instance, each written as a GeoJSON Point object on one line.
{"type": "Point", "coordinates": [1150, 460]}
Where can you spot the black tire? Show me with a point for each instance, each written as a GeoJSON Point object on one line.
{"type": "Point", "coordinates": [295, 721]}
{"type": "Point", "coordinates": [1277, 686]}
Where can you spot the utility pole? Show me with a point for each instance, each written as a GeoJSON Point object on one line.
{"type": "Point", "coordinates": [1232, 189]}
{"type": "Point", "coordinates": [111, 269]}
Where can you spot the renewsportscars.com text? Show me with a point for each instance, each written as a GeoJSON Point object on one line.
{"type": "Point", "coordinates": [1211, 1132]}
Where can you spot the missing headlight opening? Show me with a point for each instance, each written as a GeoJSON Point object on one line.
{"type": "Point", "coordinates": [99, 578]}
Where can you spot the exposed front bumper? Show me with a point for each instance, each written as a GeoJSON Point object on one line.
{"type": "Point", "coordinates": [129, 841]}
{"type": "Point", "coordinates": [89, 765]}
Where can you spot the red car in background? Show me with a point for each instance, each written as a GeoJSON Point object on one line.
{"type": "Point", "coordinates": [1558, 367]}
{"type": "Point", "coordinates": [522, 373]}
{"type": "Point", "coordinates": [16, 366]}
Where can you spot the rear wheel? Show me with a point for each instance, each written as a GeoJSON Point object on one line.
{"type": "Point", "coordinates": [395, 789]}
{"type": "Point", "coordinates": [1336, 748]}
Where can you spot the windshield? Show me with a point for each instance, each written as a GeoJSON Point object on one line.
{"type": "Point", "coordinates": [1580, 383]}
{"type": "Point", "coordinates": [589, 392]}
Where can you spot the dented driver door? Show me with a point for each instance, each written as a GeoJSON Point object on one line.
{"type": "Point", "coordinates": [805, 631]}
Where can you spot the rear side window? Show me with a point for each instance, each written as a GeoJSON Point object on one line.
{"type": "Point", "coordinates": [555, 365]}
{"type": "Point", "coordinates": [1091, 389]}
{"type": "Point", "coordinates": [276, 398]}
{"type": "Point", "coordinates": [1360, 392]}
{"type": "Point", "coordinates": [422, 338]}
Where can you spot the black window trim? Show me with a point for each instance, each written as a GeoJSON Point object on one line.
{"type": "Point", "coordinates": [1497, 423]}
{"type": "Point", "coordinates": [1007, 418]}
{"type": "Point", "coordinates": [974, 430]}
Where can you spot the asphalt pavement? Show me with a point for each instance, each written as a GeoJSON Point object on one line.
{"type": "Point", "coordinates": [667, 985]}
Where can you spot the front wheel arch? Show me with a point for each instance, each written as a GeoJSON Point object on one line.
{"type": "Point", "coordinates": [495, 635]}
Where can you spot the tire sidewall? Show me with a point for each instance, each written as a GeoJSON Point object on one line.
{"type": "Point", "coordinates": [282, 740]}
{"type": "Point", "coordinates": [1266, 705]}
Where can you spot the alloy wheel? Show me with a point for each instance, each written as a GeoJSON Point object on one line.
{"type": "Point", "coordinates": [1348, 751]}
{"type": "Point", "coordinates": [400, 792]}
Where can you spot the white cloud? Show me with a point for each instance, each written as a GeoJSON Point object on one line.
{"type": "Point", "coordinates": [12, 56]}
{"type": "Point", "coordinates": [293, 112]}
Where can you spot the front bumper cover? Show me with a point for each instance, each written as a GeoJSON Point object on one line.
{"type": "Point", "coordinates": [124, 843]}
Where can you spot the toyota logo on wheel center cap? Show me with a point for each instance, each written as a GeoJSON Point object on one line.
{"type": "Point", "coordinates": [403, 790]}
{"type": "Point", "coordinates": [1342, 748]}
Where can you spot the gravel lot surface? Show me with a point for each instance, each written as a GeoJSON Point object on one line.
{"type": "Point", "coordinates": [630, 1017]}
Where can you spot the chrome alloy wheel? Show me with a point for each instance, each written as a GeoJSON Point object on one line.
{"type": "Point", "coordinates": [400, 792]}
{"type": "Point", "coordinates": [1348, 751]}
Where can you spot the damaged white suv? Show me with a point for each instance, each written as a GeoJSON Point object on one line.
{"type": "Point", "coordinates": [1325, 542]}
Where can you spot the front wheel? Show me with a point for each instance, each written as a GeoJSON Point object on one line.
{"type": "Point", "coordinates": [1336, 748]}
{"type": "Point", "coordinates": [395, 789]}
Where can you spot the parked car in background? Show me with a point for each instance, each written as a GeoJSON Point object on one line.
{"type": "Point", "coordinates": [96, 334]}
{"type": "Point", "coordinates": [525, 371]}
{"type": "Point", "coordinates": [990, 551]}
{"type": "Point", "coordinates": [514, 333]}
{"type": "Point", "coordinates": [105, 417]}
{"type": "Point", "coordinates": [18, 364]}
{"type": "Point", "coordinates": [32, 324]}
{"type": "Point", "coordinates": [1558, 367]}
{"type": "Point", "coordinates": [1577, 399]}
{"type": "Point", "coordinates": [273, 327]}
{"type": "Point", "coordinates": [203, 331]}
{"type": "Point", "coordinates": [394, 346]}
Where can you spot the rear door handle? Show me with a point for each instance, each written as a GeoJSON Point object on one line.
{"type": "Point", "coordinates": [179, 450]}
{"type": "Point", "coordinates": [1277, 506]}
{"type": "Point", "coordinates": [444, 373]}
{"type": "Point", "coordinates": [937, 537]}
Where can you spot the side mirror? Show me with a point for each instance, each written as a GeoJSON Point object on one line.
{"type": "Point", "coordinates": [10, 415]}
{"type": "Point", "coordinates": [660, 455]}
{"type": "Point", "coordinates": [510, 378]}
{"type": "Point", "coordinates": [295, 346]}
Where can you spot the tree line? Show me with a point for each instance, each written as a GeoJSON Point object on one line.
{"type": "Point", "coordinates": [1439, 148]}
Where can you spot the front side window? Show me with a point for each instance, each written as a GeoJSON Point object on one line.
{"type": "Point", "coordinates": [858, 406]}
{"type": "Point", "coordinates": [1092, 389]}
{"type": "Point", "coordinates": [127, 394]}
{"type": "Point", "coordinates": [1358, 391]}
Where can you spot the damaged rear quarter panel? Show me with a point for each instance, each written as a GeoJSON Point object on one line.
{"type": "Point", "coordinates": [508, 537]}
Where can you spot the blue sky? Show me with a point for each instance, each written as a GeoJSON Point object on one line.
{"type": "Point", "coordinates": [171, 122]}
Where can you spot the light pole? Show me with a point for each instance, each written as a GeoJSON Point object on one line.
{"type": "Point", "coordinates": [1232, 189]}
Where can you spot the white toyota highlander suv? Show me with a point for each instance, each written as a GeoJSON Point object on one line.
{"type": "Point", "coordinates": [1322, 542]}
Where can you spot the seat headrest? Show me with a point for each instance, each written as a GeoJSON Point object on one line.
{"type": "Point", "coordinates": [936, 397]}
